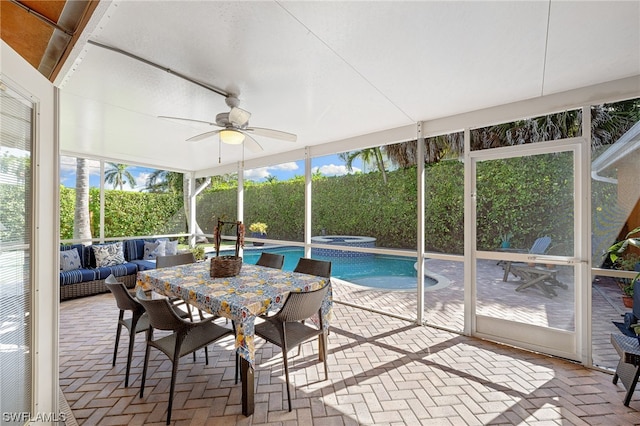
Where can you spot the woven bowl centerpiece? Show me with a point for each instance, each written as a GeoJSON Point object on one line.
{"type": "Point", "coordinates": [227, 266]}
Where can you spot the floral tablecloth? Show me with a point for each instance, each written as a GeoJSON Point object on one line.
{"type": "Point", "coordinates": [254, 291]}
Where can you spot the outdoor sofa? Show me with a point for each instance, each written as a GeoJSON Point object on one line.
{"type": "Point", "coordinates": [82, 273]}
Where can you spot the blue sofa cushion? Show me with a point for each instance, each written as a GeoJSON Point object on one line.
{"type": "Point", "coordinates": [117, 270]}
{"type": "Point", "coordinates": [81, 275]}
{"type": "Point", "coordinates": [133, 249]}
{"type": "Point", "coordinates": [143, 265]}
{"type": "Point", "coordinates": [77, 276]}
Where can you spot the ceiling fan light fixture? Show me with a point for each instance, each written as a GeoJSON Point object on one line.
{"type": "Point", "coordinates": [231, 137]}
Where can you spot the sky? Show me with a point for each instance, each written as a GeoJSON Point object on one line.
{"type": "Point", "coordinates": [330, 165]}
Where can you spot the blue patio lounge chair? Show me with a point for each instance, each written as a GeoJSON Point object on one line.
{"type": "Point", "coordinates": [539, 277]}
{"type": "Point", "coordinates": [540, 246]}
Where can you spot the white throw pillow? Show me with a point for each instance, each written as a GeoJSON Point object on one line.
{"type": "Point", "coordinates": [70, 260]}
{"type": "Point", "coordinates": [153, 250]}
{"type": "Point", "coordinates": [109, 254]}
{"type": "Point", "coordinates": [171, 248]}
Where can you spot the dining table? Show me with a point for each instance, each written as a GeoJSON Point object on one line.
{"type": "Point", "coordinates": [253, 292]}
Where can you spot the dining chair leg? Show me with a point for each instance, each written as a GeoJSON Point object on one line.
{"type": "Point", "coordinates": [237, 366]}
{"type": "Point", "coordinates": [132, 341]}
{"type": "Point", "coordinates": [324, 354]}
{"type": "Point", "coordinates": [115, 349]}
{"type": "Point", "coordinates": [286, 373]}
{"type": "Point", "coordinates": [146, 363]}
{"type": "Point", "coordinates": [174, 373]}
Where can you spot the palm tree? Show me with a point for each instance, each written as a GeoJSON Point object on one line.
{"type": "Point", "coordinates": [164, 181]}
{"type": "Point", "coordinates": [81, 216]}
{"type": "Point", "coordinates": [608, 123]}
{"type": "Point", "coordinates": [118, 175]}
{"type": "Point", "coordinates": [368, 156]}
{"type": "Point", "coordinates": [176, 183]}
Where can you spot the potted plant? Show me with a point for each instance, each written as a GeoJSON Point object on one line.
{"type": "Point", "coordinates": [198, 252]}
{"type": "Point", "coordinates": [258, 230]}
{"type": "Point", "coordinates": [505, 239]}
{"type": "Point", "coordinates": [627, 262]}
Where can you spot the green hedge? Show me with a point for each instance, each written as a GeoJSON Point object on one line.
{"type": "Point", "coordinates": [12, 214]}
{"type": "Point", "coordinates": [528, 197]}
{"type": "Point", "coordinates": [126, 213]}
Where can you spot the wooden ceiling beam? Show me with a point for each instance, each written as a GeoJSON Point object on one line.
{"type": "Point", "coordinates": [44, 32]}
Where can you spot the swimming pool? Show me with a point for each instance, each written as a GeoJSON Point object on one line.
{"type": "Point", "coordinates": [378, 271]}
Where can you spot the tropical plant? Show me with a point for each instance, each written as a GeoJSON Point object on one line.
{"type": "Point", "coordinates": [258, 227]}
{"type": "Point", "coordinates": [626, 261]}
{"type": "Point", "coordinates": [177, 183]}
{"type": "Point", "coordinates": [608, 123]}
{"type": "Point", "coordinates": [198, 252]}
{"type": "Point", "coordinates": [118, 175]}
{"type": "Point", "coordinates": [164, 181]}
{"type": "Point", "coordinates": [505, 239]}
{"type": "Point", "coordinates": [368, 156]}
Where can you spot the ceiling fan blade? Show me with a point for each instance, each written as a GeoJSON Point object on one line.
{"type": "Point", "coordinates": [180, 119]}
{"type": "Point", "coordinates": [271, 133]}
{"type": "Point", "coordinates": [239, 117]}
{"type": "Point", "coordinates": [202, 136]}
{"type": "Point", "coordinates": [252, 144]}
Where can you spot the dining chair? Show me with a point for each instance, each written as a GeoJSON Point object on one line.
{"type": "Point", "coordinates": [286, 329]}
{"type": "Point", "coordinates": [186, 337]}
{"type": "Point", "coordinates": [137, 323]}
{"type": "Point", "coordinates": [320, 268]}
{"type": "Point", "coordinates": [271, 260]}
{"type": "Point", "coordinates": [175, 260]}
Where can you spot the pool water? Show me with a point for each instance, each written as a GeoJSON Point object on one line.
{"type": "Point", "coordinates": [378, 271]}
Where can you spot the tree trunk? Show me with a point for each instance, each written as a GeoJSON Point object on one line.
{"type": "Point", "coordinates": [81, 218]}
{"type": "Point", "coordinates": [380, 162]}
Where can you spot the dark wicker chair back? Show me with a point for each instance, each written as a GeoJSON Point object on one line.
{"type": "Point", "coordinates": [187, 338]}
{"type": "Point", "coordinates": [162, 315]}
{"type": "Point", "coordinates": [124, 300]}
{"type": "Point", "coordinates": [320, 268]}
{"type": "Point", "coordinates": [287, 329]}
{"type": "Point", "coordinates": [301, 306]}
{"type": "Point", "coordinates": [174, 260]}
{"type": "Point", "coordinates": [271, 260]}
{"type": "Point", "coordinates": [138, 322]}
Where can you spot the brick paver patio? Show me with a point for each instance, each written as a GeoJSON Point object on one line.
{"type": "Point", "coordinates": [382, 370]}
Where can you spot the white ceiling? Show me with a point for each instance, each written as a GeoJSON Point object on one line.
{"type": "Point", "coordinates": [325, 71]}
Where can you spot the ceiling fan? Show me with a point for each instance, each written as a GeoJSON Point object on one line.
{"type": "Point", "coordinates": [234, 128]}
